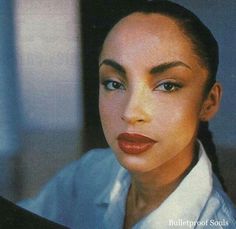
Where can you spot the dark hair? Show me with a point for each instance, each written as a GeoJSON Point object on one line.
{"type": "Point", "coordinates": [204, 43]}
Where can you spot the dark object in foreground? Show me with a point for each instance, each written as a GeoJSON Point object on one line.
{"type": "Point", "coordinates": [12, 216]}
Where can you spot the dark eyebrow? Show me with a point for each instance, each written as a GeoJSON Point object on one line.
{"type": "Point", "coordinates": [165, 66]}
{"type": "Point", "coordinates": [114, 65]}
{"type": "Point", "coordinates": [157, 69]}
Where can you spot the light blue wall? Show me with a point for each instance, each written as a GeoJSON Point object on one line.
{"type": "Point", "coordinates": [9, 114]}
{"type": "Point", "coordinates": [47, 40]}
{"type": "Point", "coordinates": [41, 107]}
{"type": "Point", "coordinates": [220, 17]}
{"type": "Point", "coordinates": [47, 51]}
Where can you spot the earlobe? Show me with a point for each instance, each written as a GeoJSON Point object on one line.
{"type": "Point", "coordinates": [211, 103]}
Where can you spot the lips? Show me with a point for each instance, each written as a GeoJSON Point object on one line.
{"type": "Point", "coordinates": [134, 143]}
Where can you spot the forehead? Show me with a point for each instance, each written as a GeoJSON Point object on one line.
{"type": "Point", "coordinates": [144, 22]}
{"type": "Point", "coordinates": [148, 39]}
{"type": "Point", "coordinates": [140, 26]}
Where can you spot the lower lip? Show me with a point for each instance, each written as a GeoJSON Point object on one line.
{"type": "Point", "coordinates": [134, 147]}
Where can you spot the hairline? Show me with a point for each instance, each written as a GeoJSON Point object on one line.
{"type": "Point", "coordinates": [182, 28]}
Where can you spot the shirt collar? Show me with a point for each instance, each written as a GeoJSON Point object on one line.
{"type": "Point", "coordinates": [187, 201]}
{"type": "Point", "coordinates": [114, 199]}
{"type": "Point", "coordinates": [183, 205]}
{"type": "Point", "coordinates": [120, 178]}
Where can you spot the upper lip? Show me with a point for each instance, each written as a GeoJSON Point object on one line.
{"type": "Point", "coordinates": [133, 137]}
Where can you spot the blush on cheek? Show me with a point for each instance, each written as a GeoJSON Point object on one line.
{"type": "Point", "coordinates": [107, 116]}
{"type": "Point", "coordinates": [181, 121]}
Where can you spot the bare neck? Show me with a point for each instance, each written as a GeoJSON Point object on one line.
{"type": "Point", "coordinates": [164, 178]}
{"type": "Point", "coordinates": [149, 190]}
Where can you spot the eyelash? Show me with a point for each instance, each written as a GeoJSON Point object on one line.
{"type": "Point", "coordinates": [112, 85]}
{"type": "Point", "coordinates": [174, 86]}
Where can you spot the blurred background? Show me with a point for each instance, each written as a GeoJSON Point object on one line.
{"type": "Point", "coordinates": [48, 87]}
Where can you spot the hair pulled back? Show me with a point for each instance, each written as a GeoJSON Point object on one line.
{"type": "Point", "coordinates": [203, 43]}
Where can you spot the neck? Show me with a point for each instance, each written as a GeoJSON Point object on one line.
{"type": "Point", "coordinates": [153, 187]}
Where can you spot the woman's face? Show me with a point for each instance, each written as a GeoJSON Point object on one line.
{"type": "Point", "coordinates": [151, 91]}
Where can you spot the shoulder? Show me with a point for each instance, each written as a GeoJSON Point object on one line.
{"type": "Point", "coordinates": [93, 166]}
{"type": "Point", "coordinates": [219, 209]}
{"type": "Point", "coordinates": [94, 161]}
{"type": "Point", "coordinates": [97, 157]}
{"type": "Point", "coordinates": [76, 185]}
{"type": "Point", "coordinates": [88, 164]}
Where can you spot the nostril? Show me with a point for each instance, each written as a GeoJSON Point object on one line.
{"type": "Point", "coordinates": [132, 120]}
{"type": "Point", "coordinates": [140, 120]}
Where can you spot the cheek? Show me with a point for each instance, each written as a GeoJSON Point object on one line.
{"type": "Point", "coordinates": [109, 110]}
{"type": "Point", "coordinates": [178, 117]}
{"type": "Point", "coordinates": [107, 107]}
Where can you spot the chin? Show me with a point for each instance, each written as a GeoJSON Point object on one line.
{"type": "Point", "coordinates": [135, 163]}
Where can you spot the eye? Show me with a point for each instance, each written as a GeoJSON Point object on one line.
{"type": "Point", "coordinates": [112, 85]}
{"type": "Point", "coordinates": [168, 87]}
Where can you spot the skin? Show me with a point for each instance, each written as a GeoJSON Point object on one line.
{"type": "Point", "coordinates": [152, 84]}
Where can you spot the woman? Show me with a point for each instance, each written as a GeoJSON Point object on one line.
{"type": "Point", "coordinates": [157, 69]}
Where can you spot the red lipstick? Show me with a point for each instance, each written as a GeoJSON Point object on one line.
{"type": "Point", "coordinates": [134, 143]}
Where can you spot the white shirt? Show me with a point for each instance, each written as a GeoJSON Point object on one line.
{"type": "Point", "coordinates": [91, 194]}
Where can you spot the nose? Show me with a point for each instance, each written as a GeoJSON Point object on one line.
{"type": "Point", "coordinates": [137, 108]}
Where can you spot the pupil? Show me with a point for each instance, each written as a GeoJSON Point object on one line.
{"type": "Point", "coordinates": [115, 85]}
{"type": "Point", "coordinates": [168, 86]}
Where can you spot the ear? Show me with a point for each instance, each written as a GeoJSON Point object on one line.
{"type": "Point", "coordinates": [211, 103]}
